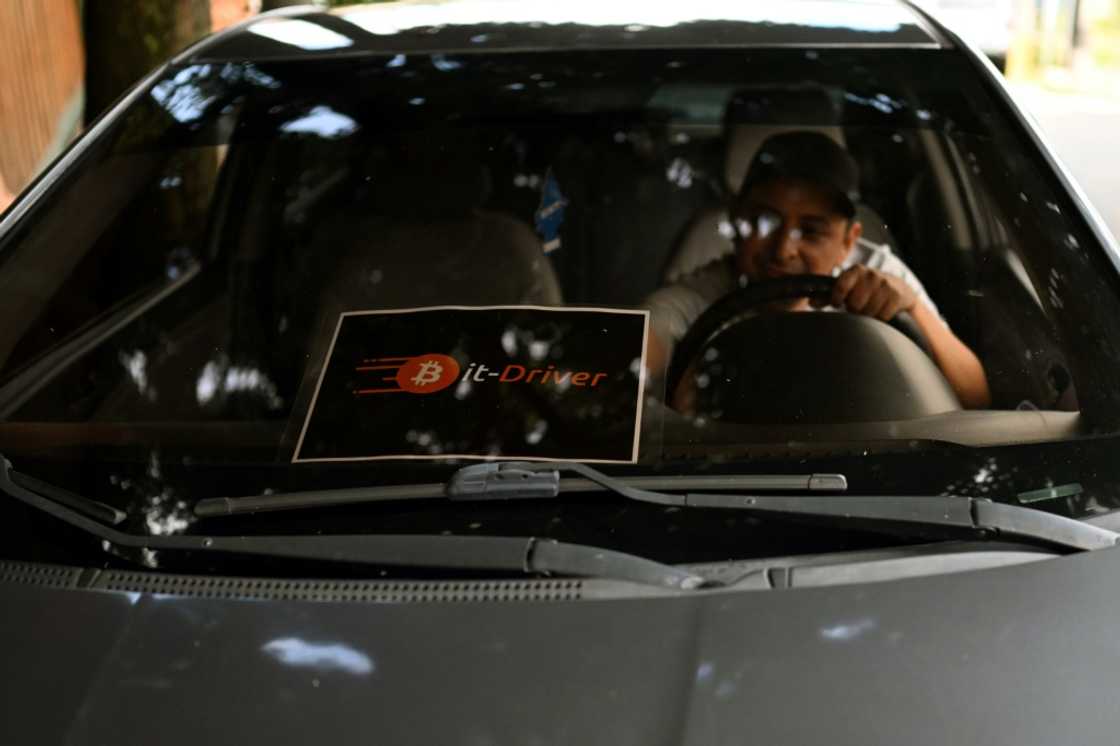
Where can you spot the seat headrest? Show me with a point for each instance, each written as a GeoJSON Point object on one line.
{"type": "Point", "coordinates": [754, 115]}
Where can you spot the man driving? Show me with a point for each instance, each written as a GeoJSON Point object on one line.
{"type": "Point", "coordinates": [796, 215]}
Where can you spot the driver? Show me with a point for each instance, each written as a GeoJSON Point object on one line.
{"type": "Point", "coordinates": [796, 215]}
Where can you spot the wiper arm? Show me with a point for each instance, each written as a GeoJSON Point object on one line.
{"type": "Point", "coordinates": [84, 505]}
{"type": "Point", "coordinates": [528, 555]}
{"type": "Point", "coordinates": [499, 480]}
{"type": "Point", "coordinates": [969, 513]}
{"type": "Point", "coordinates": [515, 480]}
{"type": "Point", "coordinates": [506, 479]}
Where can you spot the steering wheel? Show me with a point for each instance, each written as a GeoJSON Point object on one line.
{"type": "Point", "coordinates": [738, 302]}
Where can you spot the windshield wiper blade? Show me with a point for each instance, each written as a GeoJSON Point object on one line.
{"type": "Point", "coordinates": [518, 479]}
{"type": "Point", "coordinates": [527, 480]}
{"type": "Point", "coordinates": [980, 515]}
{"type": "Point", "coordinates": [514, 480]}
{"type": "Point", "coordinates": [955, 512]}
{"type": "Point", "coordinates": [84, 505]}
{"type": "Point", "coordinates": [525, 555]}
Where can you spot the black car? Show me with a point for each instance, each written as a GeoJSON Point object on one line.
{"type": "Point", "coordinates": [339, 403]}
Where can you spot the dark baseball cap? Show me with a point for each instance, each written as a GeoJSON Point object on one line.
{"type": "Point", "coordinates": [807, 156]}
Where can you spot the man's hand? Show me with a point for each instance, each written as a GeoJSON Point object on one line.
{"type": "Point", "coordinates": [870, 292]}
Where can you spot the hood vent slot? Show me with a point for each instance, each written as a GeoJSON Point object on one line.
{"type": "Point", "coordinates": [46, 576]}
{"type": "Point", "coordinates": [275, 589]}
{"type": "Point", "coordinates": [341, 590]}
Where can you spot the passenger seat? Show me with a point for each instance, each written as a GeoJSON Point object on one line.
{"type": "Point", "coordinates": [421, 237]}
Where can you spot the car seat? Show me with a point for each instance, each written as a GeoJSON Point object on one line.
{"type": "Point", "coordinates": [419, 236]}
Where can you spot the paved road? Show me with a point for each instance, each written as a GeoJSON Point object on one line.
{"type": "Point", "coordinates": [1085, 132]}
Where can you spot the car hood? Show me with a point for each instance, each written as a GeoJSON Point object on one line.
{"type": "Point", "coordinates": [1022, 654]}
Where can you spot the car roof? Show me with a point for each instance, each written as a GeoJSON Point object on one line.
{"type": "Point", "coordinates": [425, 26]}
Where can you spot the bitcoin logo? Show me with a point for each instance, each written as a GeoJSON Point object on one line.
{"type": "Point", "coordinates": [430, 372]}
{"type": "Point", "coordinates": [427, 374]}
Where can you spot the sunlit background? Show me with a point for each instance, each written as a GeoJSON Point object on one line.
{"type": "Point", "coordinates": [63, 61]}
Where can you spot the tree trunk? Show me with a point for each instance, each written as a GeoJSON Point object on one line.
{"type": "Point", "coordinates": [126, 39]}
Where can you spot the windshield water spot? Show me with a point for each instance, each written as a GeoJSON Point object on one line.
{"type": "Point", "coordinates": [679, 173]}
{"type": "Point", "coordinates": [207, 383]}
{"type": "Point", "coordinates": [983, 476]}
{"type": "Point", "coordinates": [538, 349]}
{"type": "Point", "coordinates": [535, 435]}
{"type": "Point", "coordinates": [509, 342]}
{"type": "Point", "coordinates": [166, 516]}
{"type": "Point", "coordinates": [136, 364]}
{"type": "Point", "coordinates": [232, 380]}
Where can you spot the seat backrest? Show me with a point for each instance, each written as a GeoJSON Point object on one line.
{"type": "Point", "coordinates": [481, 258]}
{"type": "Point", "coordinates": [421, 237]}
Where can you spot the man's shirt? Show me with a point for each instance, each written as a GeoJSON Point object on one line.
{"type": "Point", "coordinates": [674, 308]}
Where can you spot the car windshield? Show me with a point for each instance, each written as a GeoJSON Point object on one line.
{"type": "Point", "coordinates": [289, 275]}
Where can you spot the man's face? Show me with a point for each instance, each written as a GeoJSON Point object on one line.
{"type": "Point", "coordinates": [789, 227]}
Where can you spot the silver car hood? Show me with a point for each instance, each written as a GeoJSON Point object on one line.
{"type": "Point", "coordinates": [1025, 654]}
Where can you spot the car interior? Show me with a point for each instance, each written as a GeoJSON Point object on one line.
{"type": "Point", "coordinates": [308, 222]}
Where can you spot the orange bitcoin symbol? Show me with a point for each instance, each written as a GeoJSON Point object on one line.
{"type": "Point", "coordinates": [427, 374]}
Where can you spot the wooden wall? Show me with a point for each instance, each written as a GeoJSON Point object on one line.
{"type": "Point", "coordinates": [41, 75]}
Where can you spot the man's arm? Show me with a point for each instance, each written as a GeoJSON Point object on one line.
{"type": "Point", "coordinates": [959, 364]}
{"type": "Point", "coordinates": [675, 307]}
{"type": "Point", "coordinates": [657, 352]}
{"type": "Point", "coordinates": [870, 292]}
